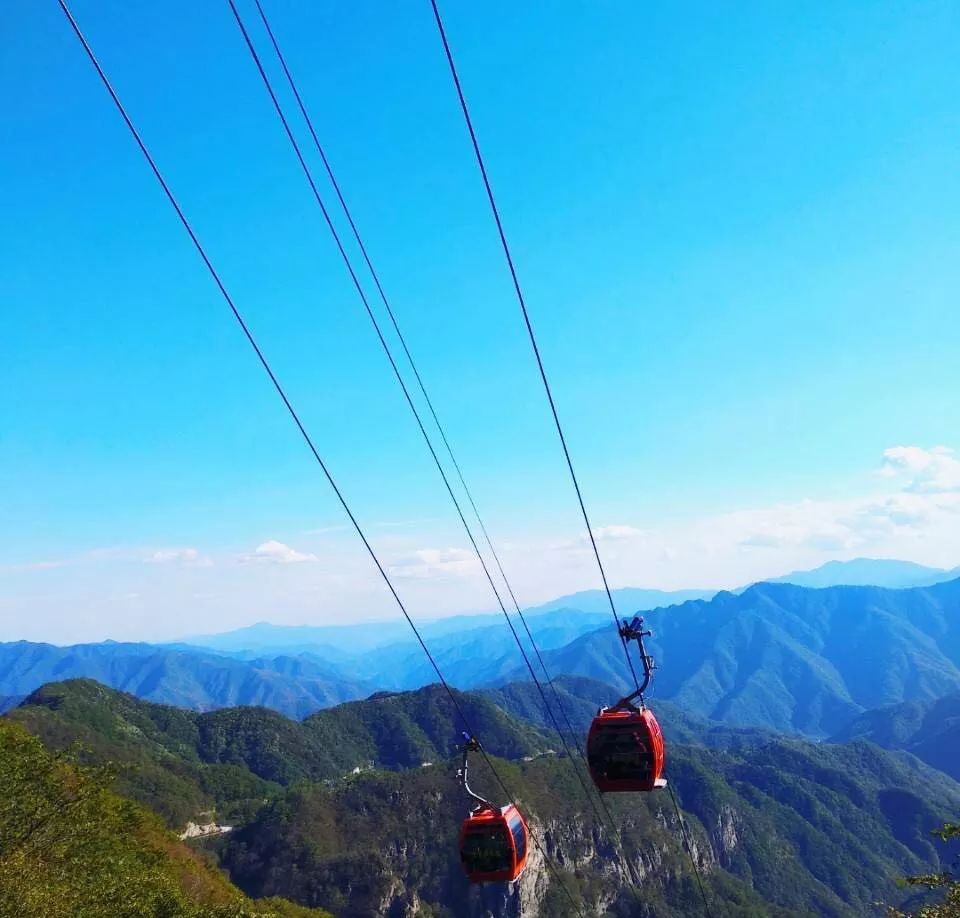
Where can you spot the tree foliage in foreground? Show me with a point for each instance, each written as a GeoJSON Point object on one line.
{"type": "Point", "coordinates": [71, 848]}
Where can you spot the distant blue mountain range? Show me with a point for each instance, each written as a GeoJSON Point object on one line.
{"type": "Point", "coordinates": [589, 608]}
{"type": "Point", "coordinates": [195, 679]}
{"type": "Point", "coordinates": [775, 655]}
{"type": "Point", "coordinates": [575, 612]}
{"type": "Point", "coordinates": [869, 572]}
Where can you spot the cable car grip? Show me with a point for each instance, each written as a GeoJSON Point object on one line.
{"type": "Point", "coordinates": [472, 744]}
{"type": "Point", "coordinates": [633, 630]}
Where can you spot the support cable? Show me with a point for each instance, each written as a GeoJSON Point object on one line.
{"type": "Point", "coordinates": [409, 356]}
{"type": "Point", "coordinates": [403, 343]}
{"type": "Point", "coordinates": [201, 251]}
{"type": "Point", "coordinates": [386, 348]}
{"type": "Point", "coordinates": [429, 402]}
{"type": "Point", "coordinates": [529, 325]}
{"type": "Point", "coordinates": [686, 843]}
{"type": "Point", "coordinates": [292, 83]}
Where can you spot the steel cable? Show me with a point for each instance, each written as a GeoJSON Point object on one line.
{"type": "Point", "coordinates": [201, 251]}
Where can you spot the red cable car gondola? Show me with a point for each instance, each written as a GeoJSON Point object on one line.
{"type": "Point", "coordinates": [493, 840]}
{"type": "Point", "coordinates": [625, 748]}
{"type": "Point", "coordinates": [493, 844]}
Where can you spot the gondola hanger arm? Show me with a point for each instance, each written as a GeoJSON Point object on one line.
{"type": "Point", "coordinates": [471, 744]}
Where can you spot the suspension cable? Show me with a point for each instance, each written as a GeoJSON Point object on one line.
{"type": "Point", "coordinates": [529, 325]}
{"type": "Point", "coordinates": [385, 346]}
{"type": "Point", "coordinates": [429, 402]}
{"type": "Point", "coordinates": [403, 343]}
{"type": "Point", "coordinates": [553, 409]}
{"type": "Point", "coordinates": [546, 385]}
{"type": "Point", "coordinates": [261, 357]}
{"type": "Point", "coordinates": [307, 172]}
{"type": "Point", "coordinates": [687, 845]}
{"type": "Point", "coordinates": [449, 449]}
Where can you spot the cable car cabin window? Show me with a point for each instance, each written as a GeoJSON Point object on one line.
{"type": "Point", "coordinates": [519, 838]}
{"type": "Point", "coordinates": [620, 755]}
{"type": "Point", "coordinates": [487, 850]}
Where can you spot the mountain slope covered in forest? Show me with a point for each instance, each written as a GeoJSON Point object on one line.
{"type": "Point", "coordinates": [181, 763]}
{"type": "Point", "coordinates": [789, 658]}
{"type": "Point", "coordinates": [930, 730]}
{"type": "Point", "coordinates": [783, 826]}
{"type": "Point", "coordinates": [779, 827]}
{"type": "Point", "coordinates": [69, 846]}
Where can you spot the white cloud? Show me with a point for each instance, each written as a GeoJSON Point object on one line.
{"type": "Point", "coordinates": [185, 556]}
{"type": "Point", "coordinates": [762, 540]}
{"type": "Point", "coordinates": [274, 552]}
{"type": "Point", "coordinates": [166, 555]}
{"type": "Point", "coordinates": [928, 493]}
{"type": "Point", "coordinates": [931, 471]}
{"type": "Point", "coordinates": [911, 512]}
{"type": "Point", "coordinates": [915, 515]}
{"type": "Point", "coordinates": [614, 533]}
{"type": "Point", "coordinates": [429, 563]}
{"type": "Point", "coordinates": [834, 537]}
{"type": "Point", "coordinates": [31, 566]}
{"type": "Point", "coordinates": [902, 509]}
{"type": "Point", "coordinates": [617, 533]}
{"type": "Point", "coordinates": [912, 523]}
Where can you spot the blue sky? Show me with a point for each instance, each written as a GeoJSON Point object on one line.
{"type": "Point", "coordinates": [738, 226]}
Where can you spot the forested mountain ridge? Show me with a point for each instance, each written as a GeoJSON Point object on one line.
{"type": "Point", "coordinates": [580, 698]}
{"type": "Point", "coordinates": [789, 658]}
{"type": "Point", "coordinates": [930, 730]}
{"type": "Point", "coordinates": [183, 677]}
{"type": "Point", "coordinates": [779, 827]}
{"type": "Point", "coordinates": [182, 763]}
{"type": "Point", "coordinates": [787, 828]}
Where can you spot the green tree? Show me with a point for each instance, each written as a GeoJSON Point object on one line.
{"type": "Point", "coordinates": [71, 848]}
{"type": "Point", "coordinates": [949, 907]}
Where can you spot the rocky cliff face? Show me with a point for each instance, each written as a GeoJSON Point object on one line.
{"type": "Point", "coordinates": [586, 858]}
{"type": "Point", "coordinates": [784, 829]}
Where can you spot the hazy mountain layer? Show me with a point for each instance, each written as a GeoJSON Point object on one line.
{"type": "Point", "coordinates": [776, 656]}
{"type": "Point", "coordinates": [190, 679]}
{"type": "Point", "coordinates": [868, 572]}
{"type": "Point", "coordinates": [340, 641]}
